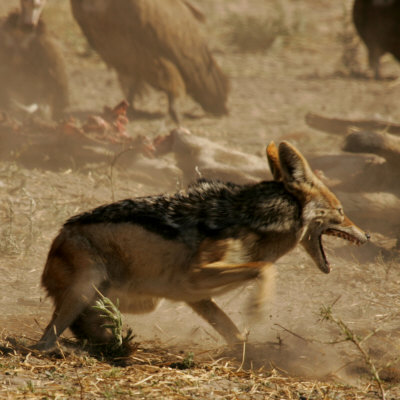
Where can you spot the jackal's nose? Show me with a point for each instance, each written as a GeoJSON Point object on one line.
{"type": "Point", "coordinates": [368, 236]}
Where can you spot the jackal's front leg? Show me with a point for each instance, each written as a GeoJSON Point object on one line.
{"type": "Point", "coordinates": [263, 291]}
{"type": "Point", "coordinates": [210, 311]}
{"type": "Point", "coordinates": [214, 277]}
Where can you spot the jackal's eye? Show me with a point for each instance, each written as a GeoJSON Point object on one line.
{"type": "Point", "coordinates": [340, 211]}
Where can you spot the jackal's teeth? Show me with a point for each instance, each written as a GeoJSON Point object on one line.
{"type": "Point", "coordinates": [343, 235]}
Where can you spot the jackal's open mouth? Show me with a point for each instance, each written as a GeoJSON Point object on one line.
{"type": "Point", "coordinates": [312, 242]}
{"type": "Point", "coordinates": [342, 235]}
{"type": "Point", "coordinates": [325, 267]}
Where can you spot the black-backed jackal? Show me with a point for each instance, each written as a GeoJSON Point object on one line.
{"type": "Point", "coordinates": [189, 246]}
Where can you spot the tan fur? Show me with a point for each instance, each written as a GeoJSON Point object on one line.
{"type": "Point", "coordinates": [141, 250]}
{"type": "Point", "coordinates": [273, 161]}
{"type": "Point", "coordinates": [153, 258]}
{"type": "Point", "coordinates": [154, 268]}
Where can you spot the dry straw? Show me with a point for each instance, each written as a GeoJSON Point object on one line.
{"type": "Point", "coordinates": [148, 374]}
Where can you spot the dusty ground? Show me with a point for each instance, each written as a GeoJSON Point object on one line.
{"type": "Point", "coordinates": [271, 93]}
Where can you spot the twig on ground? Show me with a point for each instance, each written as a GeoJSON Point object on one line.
{"type": "Point", "coordinates": [113, 162]}
{"type": "Point", "coordinates": [327, 315]}
{"type": "Point", "coordinates": [246, 335]}
{"type": "Point", "coordinates": [293, 333]}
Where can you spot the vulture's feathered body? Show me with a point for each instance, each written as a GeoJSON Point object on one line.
{"type": "Point", "coordinates": [32, 68]}
{"type": "Point", "coordinates": [155, 42]}
{"type": "Point", "coordinates": [378, 24]}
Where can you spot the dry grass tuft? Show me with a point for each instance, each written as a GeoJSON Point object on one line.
{"type": "Point", "coordinates": [252, 34]}
{"type": "Point", "coordinates": [122, 345]}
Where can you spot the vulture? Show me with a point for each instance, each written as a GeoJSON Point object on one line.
{"type": "Point", "coordinates": [157, 43]}
{"type": "Point", "coordinates": [378, 24]}
{"type": "Point", "coordinates": [32, 67]}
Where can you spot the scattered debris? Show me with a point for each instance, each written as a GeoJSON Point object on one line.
{"type": "Point", "coordinates": [95, 139]}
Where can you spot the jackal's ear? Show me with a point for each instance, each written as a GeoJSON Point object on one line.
{"type": "Point", "coordinates": [273, 161]}
{"type": "Point", "coordinates": [296, 172]}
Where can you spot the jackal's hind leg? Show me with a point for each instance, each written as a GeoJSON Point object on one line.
{"type": "Point", "coordinates": [217, 318]}
{"type": "Point", "coordinates": [74, 302]}
{"type": "Point", "coordinates": [61, 320]}
{"type": "Point", "coordinates": [217, 275]}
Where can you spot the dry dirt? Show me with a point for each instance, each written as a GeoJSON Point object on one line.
{"type": "Point", "coordinates": [271, 93]}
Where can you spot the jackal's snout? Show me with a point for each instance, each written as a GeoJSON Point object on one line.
{"type": "Point", "coordinates": [349, 231]}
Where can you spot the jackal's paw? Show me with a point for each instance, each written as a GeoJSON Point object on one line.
{"type": "Point", "coordinates": [44, 347]}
